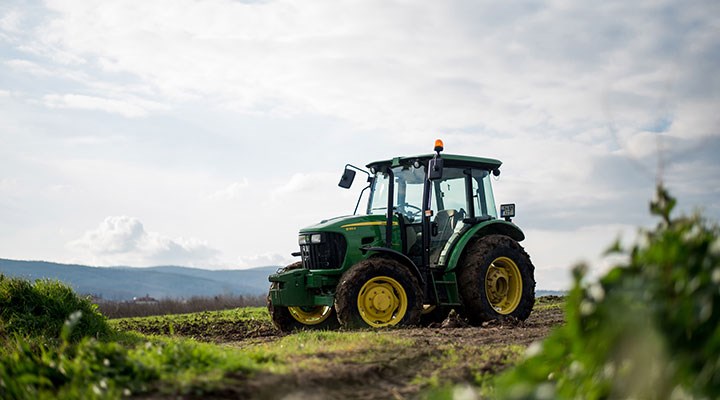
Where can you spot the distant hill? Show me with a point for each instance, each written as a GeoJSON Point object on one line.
{"type": "Point", "coordinates": [124, 283]}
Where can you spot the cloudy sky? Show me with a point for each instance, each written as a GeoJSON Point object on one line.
{"type": "Point", "coordinates": [206, 133]}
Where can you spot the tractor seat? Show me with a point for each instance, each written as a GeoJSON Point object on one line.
{"type": "Point", "coordinates": [446, 221]}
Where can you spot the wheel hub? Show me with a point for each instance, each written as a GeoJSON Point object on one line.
{"type": "Point", "coordinates": [497, 282]}
{"type": "Point", "coordinates": [382, 301]}
{"type": "Point", "coordinates": [503, 285]}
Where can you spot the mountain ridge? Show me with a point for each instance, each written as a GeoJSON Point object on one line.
{"type": "Point", "coordinates": [120, 283]}
{"type": "Point", "coordinates": [125, 283]}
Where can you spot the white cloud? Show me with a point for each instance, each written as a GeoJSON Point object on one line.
{"type": "Point", "coordinates": [407, 68]}
{"type": "Point", "coordinates": [122, 240]}
{"type": "Point", "coordinates": [570, 96]}
{"type": "Point", "coordinates": [29, 67]}
{"type": "Point", "coordinates": [310, 197]}
{"type": "Point", "coordinates": [554, 252]}
{"type": "Point", "coordinates": [263, 260]}
{"type": "Point", "coordinates": [7, 184]}
{"type": "Point", "coordinates": [232, 191]}
{"type": "Point", "coordinates": [114, 235]}
{"type": "Point", "coordinates": [507, 68]}
{"type": "Point", "coordinates": [129, 107]}
{"type": "Point", "coordinates": [304, 183]}
{"type": "Point", "coordinates": [11, 21]}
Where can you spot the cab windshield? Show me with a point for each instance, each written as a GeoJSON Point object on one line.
{"type": "Point", "coordinates": [408, 192]}
{"type": "Point", "coordinates": [448, 193]}
{"type": "Point", "coordinates": [453, 207]}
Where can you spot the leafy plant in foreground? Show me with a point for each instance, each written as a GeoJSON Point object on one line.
{"type": "Point", "coordinates": [41, 308]}
{"type": "Point", "coordinates": [54, 344]}
{"type": "Point", "coordinates": [650, 328]}
{"type": "Point", "coordinates": [30, 368]}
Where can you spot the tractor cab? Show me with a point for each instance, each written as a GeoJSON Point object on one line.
{"type": "Point", "coordinates": [432, 212]}
{"type": "Point", "coordinates": [429, 240]}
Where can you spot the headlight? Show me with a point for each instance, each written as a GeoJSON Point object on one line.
{"type": "Point", "coordinates": [315, 238]}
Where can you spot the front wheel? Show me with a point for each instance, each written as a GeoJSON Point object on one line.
{"type": "Point", "coordinates": [496, 280]}
{"type": "Point", "coordinates": [288, 319]}
{"type": "Point", "coordinates": [377, 293]}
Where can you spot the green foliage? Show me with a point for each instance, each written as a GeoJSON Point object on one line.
{"type": "Point", "coordinates": [650, 328]}
{"type": "Point", "coordinates": [30, 368]}
{"type": "Point", "coordinates": [183, 365]}
{"type": "Point", "coordinates": [223, 325]}
{"type": "Point", "coordinates": [42, 308]}
{"type": "Point", "coordinates": [56, 345]}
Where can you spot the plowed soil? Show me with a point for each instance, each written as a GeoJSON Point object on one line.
{"type": "Point", "coordinates": [446, 354]}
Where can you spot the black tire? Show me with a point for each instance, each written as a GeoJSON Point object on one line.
{"type": "Point", "coordinates": [382, 279]}
{"type": "Point", "coordinates": [490, 287]}
{"type": "Point", "coordinates": [285, 321]}
{"type": "Point", "coordinates": [289, 319]}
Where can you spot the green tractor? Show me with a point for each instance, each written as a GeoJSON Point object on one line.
{"type": "Point", "coordinates": [430, 241]}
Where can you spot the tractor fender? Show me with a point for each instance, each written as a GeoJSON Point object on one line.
{"type": "Point", "coordinates": [492, 227]}
{"type": "Point", "coordinates": [400, 257]}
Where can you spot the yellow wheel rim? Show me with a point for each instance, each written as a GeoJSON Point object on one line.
{"type": "Point", "coordinates": [503, 285]}
{"type": "Point", "coordinates": [310, 315]}
{"type": "Point", "coordinates": [382, 301]}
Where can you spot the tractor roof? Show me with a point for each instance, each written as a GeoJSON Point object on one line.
{"type": "Point", "coordinates": [451, 160]}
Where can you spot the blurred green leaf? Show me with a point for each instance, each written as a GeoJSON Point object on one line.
{"type": "Point", "coordinates": [649, 328]}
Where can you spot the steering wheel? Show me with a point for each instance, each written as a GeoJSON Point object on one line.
{"type": "Point", "coordinates": [413, 213]}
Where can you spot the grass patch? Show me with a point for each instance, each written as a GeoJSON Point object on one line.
{"type": "Point", "coordinates": [70, 360]}
{"type": "Point", "coordinates": [471, 364]}
{"type": "Point", "coordinates": [549, 303]}
{"type": "Point", "coordinates": [222, 326]}
{"type": "Point", "coordinates": [184, 366]}
{"type": "Point", "coordinates": [313, 349]}
{"type": "Point", "coordinates": [43, 307]}
{"type": "Point", "coordinates": [30, 368]}
{"type": "Point", "coordinates": [55, 344]}
{"type": "Point", "coordinates": [246, 313]}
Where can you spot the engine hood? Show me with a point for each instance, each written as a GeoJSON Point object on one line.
{"type": "Point", "coordinates": [346, 223]}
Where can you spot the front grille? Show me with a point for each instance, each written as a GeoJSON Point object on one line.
{"type": "Point", "coordinates": [326, 255]}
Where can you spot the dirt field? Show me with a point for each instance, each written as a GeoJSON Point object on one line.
{"type": "Point", "coordinates": [435, 357]}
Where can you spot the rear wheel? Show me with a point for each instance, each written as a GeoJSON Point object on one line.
{"type": "Point", "coordinates": [496, 280]}
{"type": "Point", "coordinates": [377, 293]}
{"type": "Point", "coordinates": [288, 319]}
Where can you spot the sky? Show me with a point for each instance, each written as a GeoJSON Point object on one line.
{"type": "Point", "coordinates": [206, 133]}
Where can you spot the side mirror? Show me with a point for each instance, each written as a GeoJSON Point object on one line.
{"type": "Point", "coordinates": [435, 169]}
{"type": "Point", "coordinates": [507, 211]}
{"type": "Point", "coordinates": [347, 178]}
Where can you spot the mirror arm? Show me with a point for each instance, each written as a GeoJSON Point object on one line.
{"type": "Point", "coordinates": [348, 176]}
{"type": "Point", "coordinates": [360, 198]}
{"type": "Point", "coordinates": [357, 169]}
